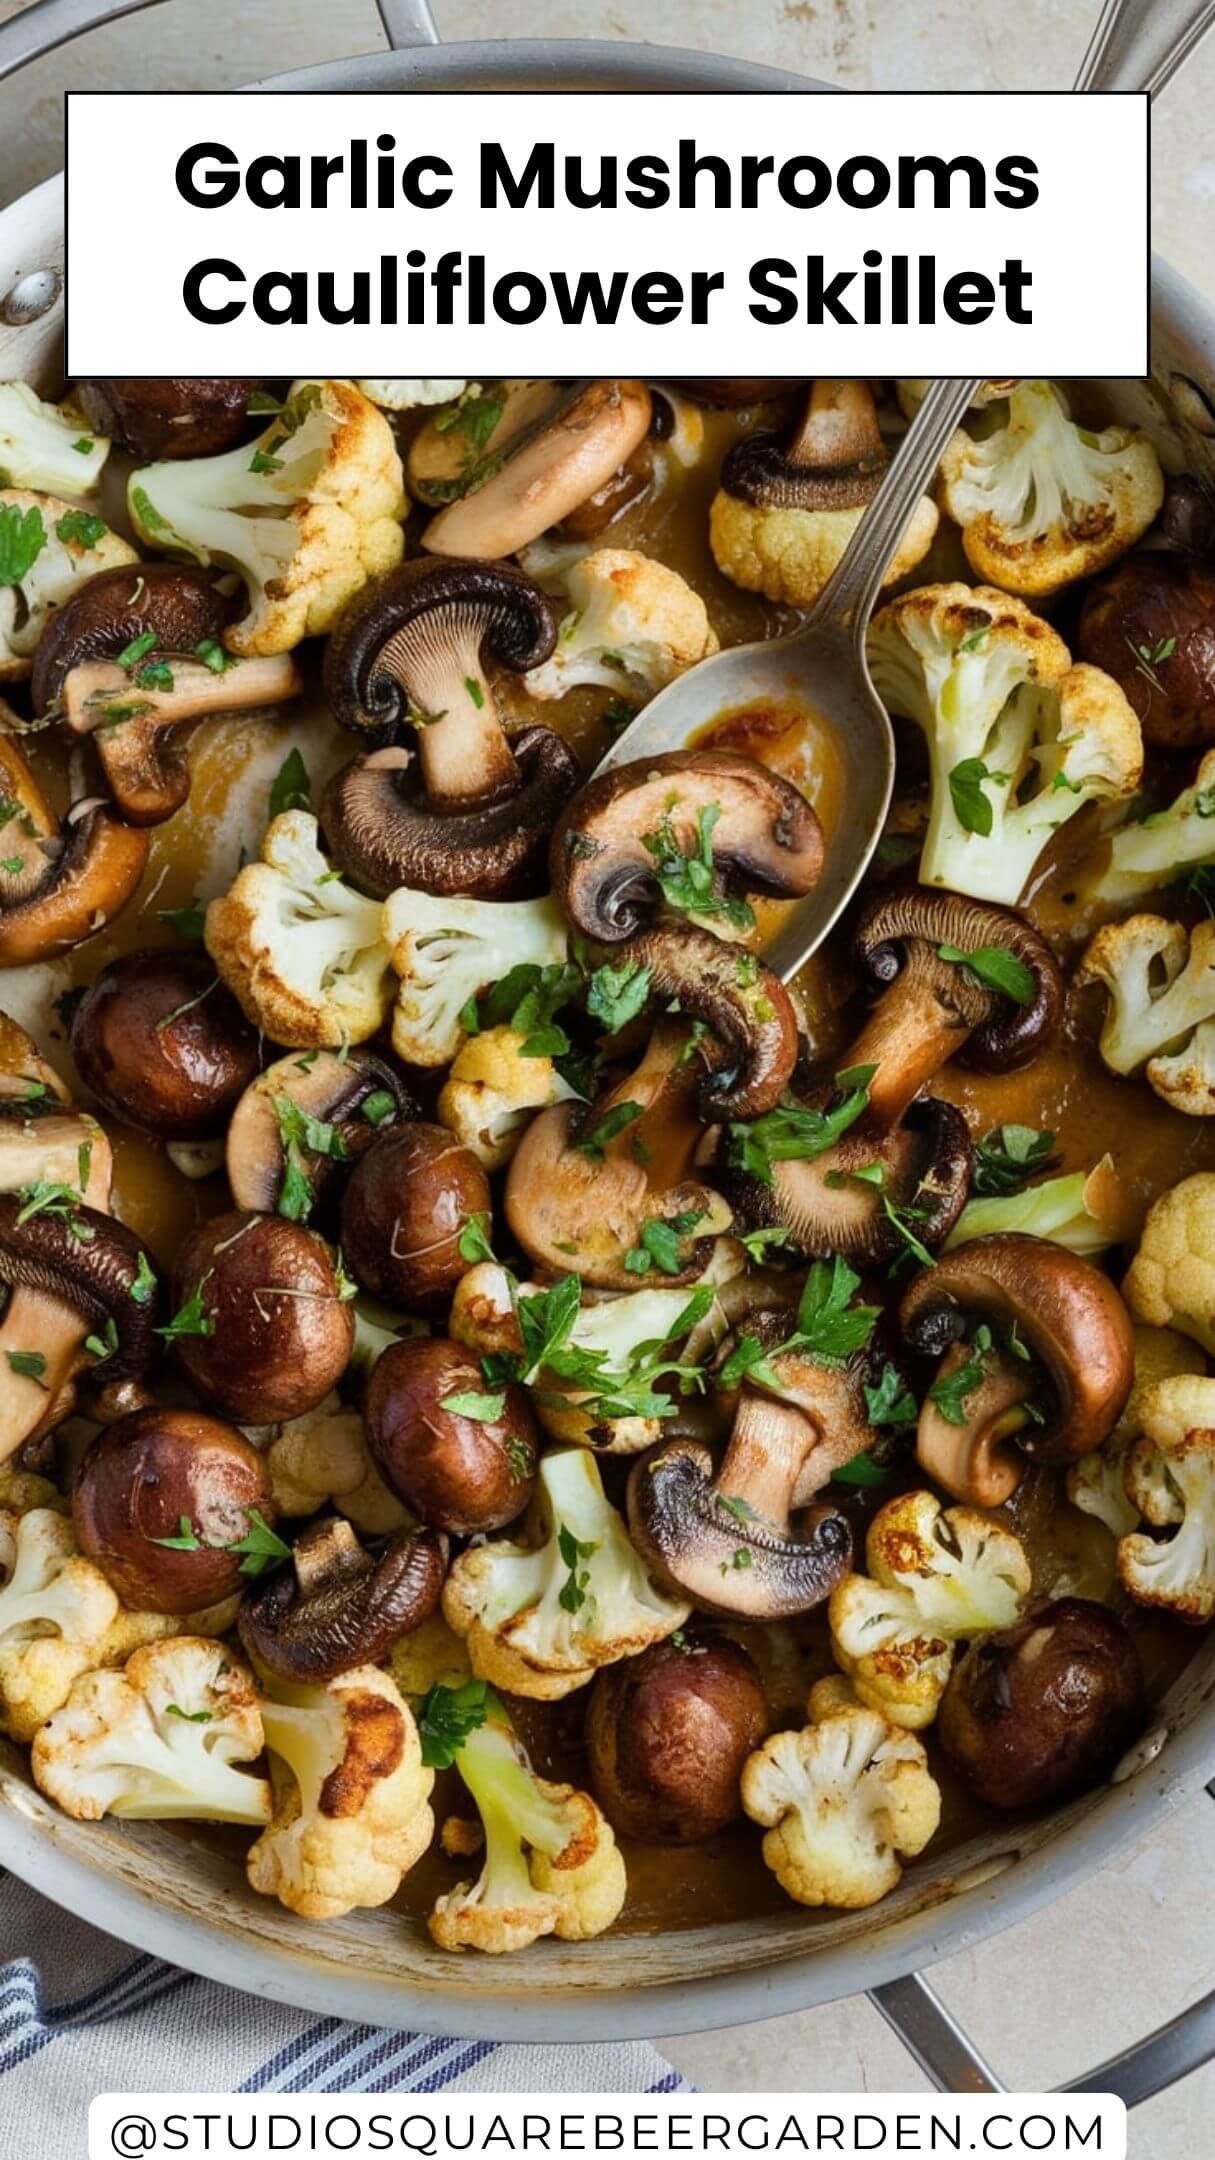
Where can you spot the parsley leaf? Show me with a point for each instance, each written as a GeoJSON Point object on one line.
{"type": "Point", "coordinates": [793, 1133]}
{"type": "Point", "coordinates": [473, 1242]}
{"type": "Point", "coordinates": [22, 539]}
{"type": "Point", "coordinates": [864, 1469]}
{"type": "Point", "coordinates": [82, 527]}
{"type": "Point", "coordinates": [996, 968]}
{"type": "Point", "coordinates": [29, 1364]}
{"type": "Point", "coordinates": [291, 788]}
{"type": "Point", "coordinates": [301, 1135]}
{"type": "Point", "coordinates": [189, 921]}
{"type": "Point", "coordinates": [485, 1409]}
{"type": "Point", "coordinates": [613, 1121]}
{"type": "Point", "coordinates": [192, 1319]}
{"type": "Point", "coordinates": [891, 1402]}
{"type": "Point", "coordinates": [572, 1595]}
{"type": "Point", "coordinates": [1009, 1156]}
{"type": "Point", "coordinates": [661, 1243]}
{"type": "Point", "coordinates": [261, 1547]}
{"type": "Point", "coordinates": [951, 1392]}
{"type": "Point", "coordinates": [971, 805]}
{"type": "Point", "coordinates": [618, 994]}
{"type": "Point", "coordinates": [688, 880]}
{"type": "Point", "coordinates": [446, 1717]}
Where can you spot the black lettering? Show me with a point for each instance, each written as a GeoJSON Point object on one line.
{"type": "Point", "coordinates": [826, 299]}
{"type": "Point", "coordinates": [292, 308]}
{"type": "Point", "coordinates": [848, 182]}
{"type": "Point", "coordinates": [657, 296]}
{"type": "Point", "coordinates": [649, 186]}
{"type": "Point", "coordinates": [1014, 281]}
{"type": "Point", "coordinates": [499, 185]}
{"type": "Point", "coordinates": [528, 310]}
{"type": "Point", "coordinates": [804, 182]}
{"type": "Point", "coordinates": [205, 311]}
{"type": "Point", "coordinates": [262, 172]}
{"type": "Point", "coordinates": [419, 196]}
{"type": "Point", "coordinates": [765, 278]}
{"type": "Point", "coordinates": [1017, 191]}
{"type": "Point", "coordinates": [969, 297]}
{"type": "Point", "coordinates": [216, 188]}
{"type": "Point", "coordinates": [690, 169]}
{"type": "Point", "coordinates": [941, 172]}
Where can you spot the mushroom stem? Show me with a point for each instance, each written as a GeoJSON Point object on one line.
{"type": "Point", "coordinates": [838, 428]}
{"type": "Point", "coordinates": [34, 1322]}
{"type": "Point", "coordinates": [664, 1139]}
{"type": "Point", "coordinates": [327, 1552]}
{"type": "Point", "coordinates": [767, 1453]}
{"type": "Point", "coordinates": [977, 1462]}
{"type": "Point", "coordinates": [909, 1036]}
{"type": "Point", "coordinates": [92, 689]}
{"type": "Point", "coordinates": [462, 747]}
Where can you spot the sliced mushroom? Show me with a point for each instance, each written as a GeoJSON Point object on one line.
{"type": "Point", "coordinates": [354, 1098]}
{"type": "Point", "coordinates": [765, 838]}
{"type": "Point", "coordinates": [60, 883]}
{"type": "Point", "coordinates": [262, 1326]}
{"type": "Point", "coordinates": [170, 618]}
{"type": "Point", "coordinates": [458, 448]}
{"type": "Point", "coordinates": [561, 461]}
{"type": "Point", "coordinates": [1062, 1341]}
{"type": "Point", "coordinates": [162, 1045]}
{"type": "Point", "coordinates": [174, 416]}
{"type": "Point", "coordinates": [339, 1606]}
{"type": "Point", "coordinates": [145, 1477]}
{"type": "Point", "coordinates": [414, 649]}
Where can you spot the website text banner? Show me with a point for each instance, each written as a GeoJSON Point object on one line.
{"type": "Point", "coordinates": [551, 233]}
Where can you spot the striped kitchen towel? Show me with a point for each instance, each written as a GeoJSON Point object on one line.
{"type": "Point", "coordinates": [82, 2014]}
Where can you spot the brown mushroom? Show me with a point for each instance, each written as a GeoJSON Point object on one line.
{"type": "Point", "coordinates": [459, 446]}
{"type": "Point", "coordinates": [174, 416]}
{"type": "Point", "coordinates": [667, 1736]}
{"type": "Point", "coordinates": [60, 881]}
{"type": "Point", "coordinates": [1150, 623]}
{"type": "Point", "coordinates": [262, 1325]}
{"type": "Point", "coordinates": [1048, 1379]}
{"type": "Point", "coordinates": [413, 649]}
{"type": "Point", "coordinates": [406, 1206]}
{"type": "Point", "coordinates": [835, 460]}
{"type": "Point", "coordinates": [164, 1502]}
{"type": "Point", "coordinates": [735, 390]}
{"type": "Point", "coordinates": [338, 1606]}
{"type": "Point", "coordinates": [133, 660]}
{"type": "Point", "coordinates": [306, 1119]}
{"type": "Point", "coordinates": [566, 456]}
{"type": "Point", "coordinates": [1044, 1709]}
{"type": "Point", "coordinates": [764, 837]}
{"type": "Point", "coordinates": [458, 1452]}
{"type": "Point", "coordinates": [162, 1045]}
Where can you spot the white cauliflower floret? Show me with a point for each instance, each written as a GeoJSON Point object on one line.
{"type": "Point", "coordinates": [401, 393]}
{"type": "Point", "coordinates": [1171, 1280]}
{"type": "Point", "coordinates": [552, 1865]}
{"type": "Point", "coordinates": [63, 548]}
{"type": "Point", "coordinates": [1170, 1478]}
{"type": "Point", "coordinates": [634, 626]}
{"type": "Point", "coordinates": [305, 515]}
{"type": "Point", "coordinates": [159, 1740]}
{"type": "Point", "coordinates": [491, 1091]}
{"type": "Point", "coordinates": [55, 1611]}
{"type": "Point", "coordinates": [540, 1618]}
{"type": "Point", "coordinates": [1041, 501]}
{"type": "Point", "coordinates": [302, 951]}
{"type": "Point", "coordinates": [1162, 846]}
{"type": "Point", "coordinates": [353, 1814]}
{"type": "Point", "coordinates": [1086, 1210]}
{"type": "Point", "coordinates": [44, 446]}
{"type": "Point", "coordinates": [936, 1577]}
{"type": "Point", "coordinates": [1097, 1483]}
{"type": "Point", "coordinates": [447, 949]}
{"type": "Point", "coordinates": [429, 1655]}
{"type": "Point", "coordinates": [1019, 738]}
{"type": "Point", "coordinates": [1161, 984]}
{"type": "Point", "coordinates": [841, 1800]}
{"type": "Point", "coordinates": [323, 1457]}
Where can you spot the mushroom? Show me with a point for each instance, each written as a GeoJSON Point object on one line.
{"type": "Point", "coordinates": [667, 1736]}
{"type": "Point", "coordinates": [763, 834]}
{"type": "Point", "coordinates": [338, 1606]}
{"type": "Point", "coordinates": [263, 1325]}
{"type": "Point", "coordinates": [164, 1502]}
{"type": "Point", "coordinates": [174, 416]}
{"type": "Point", "coordinates": [60, 882]}
{"type": "Point", "coordinates": [1150, 623]}
{"type": "Point", "coordinates": [1043, 1709]}
{"type": "Point", "coordinates": [735, 391]}
{"type": "Point", "coordinates": [133, 658]}
{"type": "Point", "coordinates": [413, 649]}
{"type": "Point", "coordinates": [162, 1045]}
{"type": "Point", "coordinates": [460, 1453]}
{"type": "Point", "coordinates": [456, 449]}
{"type": "Point", "coordinates": [566, 456]}
{"type": "Point", "coordinates": [406, 1205]}
{"type": "Point", "coordinates": [1056, 1328]}
{"type": "Point", "coordinates": [341, 1103]}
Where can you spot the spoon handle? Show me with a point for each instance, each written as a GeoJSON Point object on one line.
{"type": "Point", "coordinates": [847, 600]}
{"type": "Point", "coordinates": [1140, 44]}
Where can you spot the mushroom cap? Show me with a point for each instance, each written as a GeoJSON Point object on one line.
{"type": "Point", "coordinates": [281, 1332]}
{"type": "Point", "coordinates": [1151, 603]}
{"type": "Point", "coordinates": [162, 1045]}
{"type": "Point", "coordinates": [1003, 1036]}
{"type": "Point", "coordinates": [834, 461]}
{"type": "Point", "coordinates": [1045, 1708]}
{"type": "Point", "coordinates": [405, 1206]}
{"type": "Point", "coordinates": [927, 1160]}
{"type": "Point", "coordinates": [89, 1262]}
{"type": "Point", "coordinates": [558, 464]}
{"type": "Point", "coordinates": [340, 1607]}
{"type": "Point", "coordinates": [464, 1473]}
{"type": "Point", "coordinates": [667, 1736]}
{"type": "Point", "coordinates": [1067, 1313]}
{"type": "Point", "coordinates": [767, 838]}
{"type": "Point", "coordinates": [173, 416]}
{"type": "Point", "coordinates": [324, 1086]}
{"type": "Point", "coordinates": [692, 1544]}
{"type": "Point", "coordinates": [139, 1478]}
{"type": "Point", "coordinates": [735, 390]}
{"type": "Point", "coordinates": [178, 602]}
{"type": "Point", "coordinates": [749, 1011]}
{"type": "Point", "coordinates": [73, 879]}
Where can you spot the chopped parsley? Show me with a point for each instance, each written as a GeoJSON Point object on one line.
{"type": "Point", "coordinates": [1009, 1156]}
{"type": "Point", "coordinates": [473, 1243]}
{"type": "Point", "coordinates": [828, 1327]}
{"type": "Point", "coordinates": [995, 968]}
{"type": "Point", "coordinates": [971, 805]}
{"type": "Point", "coordinates": [688, 880]}
{"type": "Point", "coordinates": [191, 1319]}
{"type": "Point", "coordinates": [28, 1365]}
{"type": "Point", "coordinates": [446, 1717]}
{"type": "Point", "coordinates": [661, 1244]}
{"type": "Point", "coordinates": [485, 1409]}
{"type": "Point", "coordinates": [82, 527]}
{"type": "Point", "coordinates": [301, 1135]}
{"type": "Point", "coordinates": [618, 994]}
{"type": "Point", "coordinates": [291, 788]}
{"type": "Point", "coordinates": [573, 1593]}
{"type": "Point", "coordinates": [613, 1122]}
{"type": "Point", "coordinates": [793, 1133]}
{"type": "Point", "coordinates": [22, 539]}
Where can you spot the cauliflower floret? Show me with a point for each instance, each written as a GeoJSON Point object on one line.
{"type": "Point", "coordinates": [552, 1865]}
{"type": "Point", "coordinates": [1161, 984]}
{"type": "Point", "coordinates": [401, 393]}
{"type": "Point", "coordinates": [159, 1740]}
{"type": "Point", "coordinates": [842, 1799]}
{"type": "Point", "coordinates": [446, 950]}
{"type": "Point", "coordinates": [353, 1814]}
{"type": "Point", "coordinates": [1171, 1280]}
{"type": "Point", "coordinates": [55, 1611]}
{"type": "Point", "coordinates": [305, 515]}
{"type": "Point", "coordinates": [63, 547]}
{"type": "Point", "coordinates": [936, 1577]}
{"type": "Point", "coordinates": [540, 1618]}
{"type": "Point", "coordinates": [22, 1490]}
{"type": "Point", "coordinates": [1041, 501]}
{"type": "Point", "coordinates": [491, 1091]}
{"type": "Point", "coordinates": [1161, 847]}
{"type": "Point", "coordinates": [427, 1656]}
{"type": "Point", "coordinates": [1086, 1210]}
{"type": "Point", "coordinates": [634, 626]}
{"type": "Point", "coordinates": [1097, 1483]}
{"type": "Point", "coordinates": [45, 446]}
{"type": "Point", "coordinates": [1019, 738]}
{"type": "Point", "coordinates": [790, 555]}
{"type": "Point", "coordinates": [303, 952]}
{"type": "Point", "coordinates": [323, 1457]}
{"type": "Point", "coordinates": [1170, 1478]}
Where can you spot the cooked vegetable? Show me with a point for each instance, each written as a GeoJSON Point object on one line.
{"type": "Point", "coordinates": [1170, 1478]}
{"type": "Point", "coordinates": [633, 626]}
{"type": "Point", "coordinates": [1161, 1012]}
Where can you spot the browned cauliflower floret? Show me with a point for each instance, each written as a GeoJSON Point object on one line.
{"type": "Point", "coordinates": [1161, 1013]}
{"type": "Point", "coordinates": [1170, 1479]}
{"type": "Point", "coordinates": [53, 547]}
{"type": "Point", "coordinates": [55, 1612]}
{"type": "Point", "coordinates": [1096, 1484]}
{"type": "Point", "coordinates": [1171, 1280]}
{"type": "Point", "coordinates": [633, 626]}
{"type": "Point", "coordinates": [323, 1456]}
{"type": "Point", "coordinates": [491, 1091]}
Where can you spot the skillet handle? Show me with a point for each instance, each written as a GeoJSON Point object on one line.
{"type": "Point", "coordinates": [48, 24]}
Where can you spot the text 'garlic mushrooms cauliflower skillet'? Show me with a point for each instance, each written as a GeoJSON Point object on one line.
{"type": "Point", "coordinates": [475, 1344]}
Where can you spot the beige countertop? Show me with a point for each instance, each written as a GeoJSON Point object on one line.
{"type": "Point", "coordinates": [1135, 1945]}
